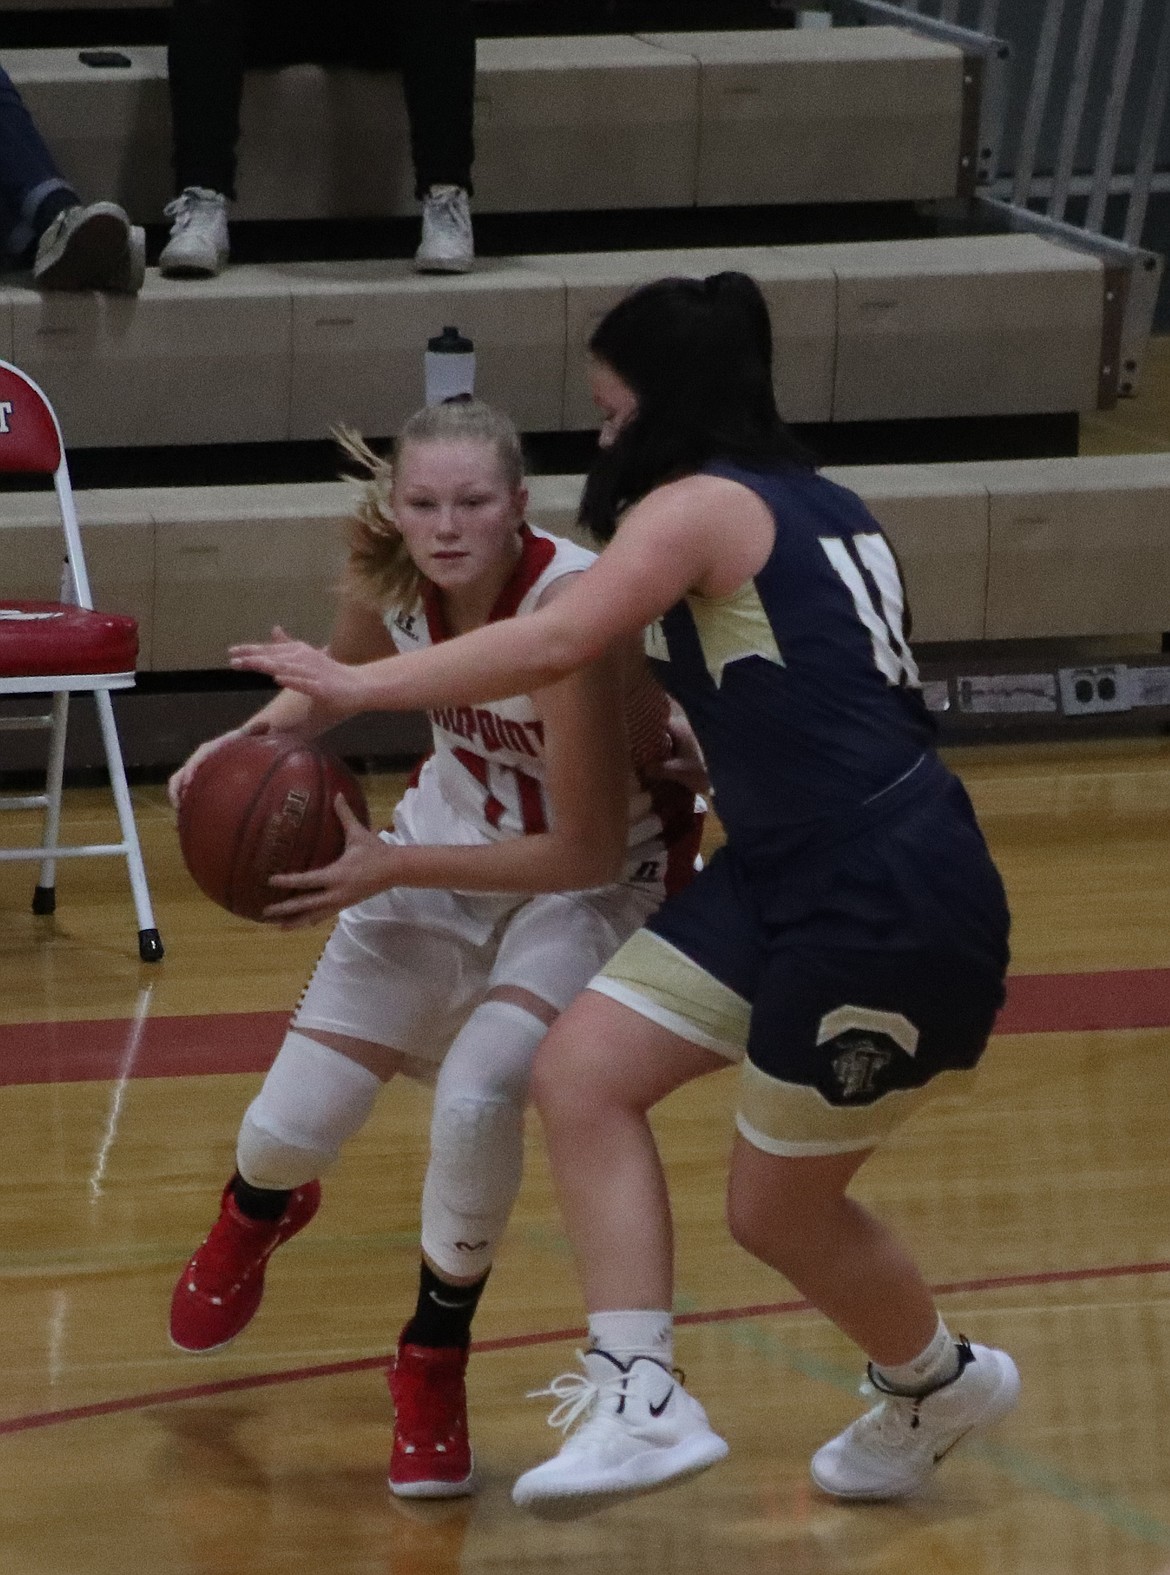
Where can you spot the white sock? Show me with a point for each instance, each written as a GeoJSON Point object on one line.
{"type": "Point", "coordinates": [625, 1335]}
{"type": "Point", "coordinates": [932, 1367]}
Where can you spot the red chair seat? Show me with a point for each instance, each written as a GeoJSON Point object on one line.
{"type": "Point", "coordinates": [54, 639]}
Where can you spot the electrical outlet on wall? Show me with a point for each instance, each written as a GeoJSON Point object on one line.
{"type": "Point", "coordinates": [1088, 690]}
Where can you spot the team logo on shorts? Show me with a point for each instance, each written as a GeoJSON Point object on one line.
{"type": "Point", "coordinates": [861, 1044]}
{"type": "Point", "coordinates": [859, 1066]}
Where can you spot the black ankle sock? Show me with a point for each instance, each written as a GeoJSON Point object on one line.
{"type": "Point", "coordinates": [259, 1203]}
{"type": "Point", "coordinates": [444, 1312]}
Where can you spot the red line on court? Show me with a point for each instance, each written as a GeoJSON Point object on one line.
{"type": "Point", "coordinates": [96, 1051]}
{"type": "Point", "coordinates": [1049, 1003]}
{"type": "Point", "coordinates": [223, 1042]}
{"type": "Point", "coordinates": [296, 1375]}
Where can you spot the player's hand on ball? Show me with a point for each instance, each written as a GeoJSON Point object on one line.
{"type": "Point", "coordinates": [365, 866]}
{"type": "Point", "coordinates": [296, 665]}
{"type": "Point", "coordinates": [685, 762]}
{"type": "Point", "coordinates": [178, 784]}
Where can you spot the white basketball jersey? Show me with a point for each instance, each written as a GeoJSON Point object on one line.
{"type": "Point", "coordinates": [486, 778]}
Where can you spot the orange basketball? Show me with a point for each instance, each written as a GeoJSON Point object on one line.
{"type": "Point", "coordinates": [261, 805]}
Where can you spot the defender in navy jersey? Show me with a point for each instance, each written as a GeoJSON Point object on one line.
{"type": "Point", "coordinates": [809, 660]}
{"type": "Point", "coordinates": [848, 945]}
{"type": "Point", "coordinates": [823, 938]}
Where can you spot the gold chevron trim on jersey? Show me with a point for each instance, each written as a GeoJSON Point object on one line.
{"type": "Point", "coordinates": [732, 628]}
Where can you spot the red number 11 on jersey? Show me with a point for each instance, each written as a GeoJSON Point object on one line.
{"type": "Point", "coordinates": [528, 795]}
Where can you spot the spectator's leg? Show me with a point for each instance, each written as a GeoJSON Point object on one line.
{"type": "Point", "coordinates": [436, 47]}
{"type": "Point", "coordinates": [43, 221]}
{"type": "Point", "coordinates": [205, 72]}
{"type": "Point", "coordinates": [436, 50]}
{"type": "Point", "coordinates": [205, 69]}
{"type": "Point", "coordinates": [32, 189]}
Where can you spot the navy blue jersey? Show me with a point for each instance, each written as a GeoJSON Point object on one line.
{"type": "Point", "coordinates": [800, 686]}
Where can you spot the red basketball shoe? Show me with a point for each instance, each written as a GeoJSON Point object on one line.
{"type": "Point", "coordinates": [432, 1456]}
{"type": "Point", "coordinates": [220, 1289]}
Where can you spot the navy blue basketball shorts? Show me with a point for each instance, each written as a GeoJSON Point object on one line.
{"type": "Point", "coordinates": [879, 989]}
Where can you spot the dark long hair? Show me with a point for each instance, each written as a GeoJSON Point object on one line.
{"type": "Point", "coordinates": [697, 353]}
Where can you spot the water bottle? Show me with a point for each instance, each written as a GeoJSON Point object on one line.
{"type": "Point", "coordinates": [449, 367]}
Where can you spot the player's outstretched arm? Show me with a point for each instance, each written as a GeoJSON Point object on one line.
{"type": "Point", "coordinates": [358, 635]}
{"type": "Point", "coordinates": [666, 545]}
{"type": "Point", "coordinates": [588, 786]}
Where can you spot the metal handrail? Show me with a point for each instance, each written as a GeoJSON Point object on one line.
{"type": "Point", "coordinates": [1039, 200]}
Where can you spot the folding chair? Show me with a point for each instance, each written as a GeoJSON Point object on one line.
{"type": "Point", "coordinates": [60, 648]}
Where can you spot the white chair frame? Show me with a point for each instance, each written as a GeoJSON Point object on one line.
{"type": "Point", "coordinates": [75, 591]}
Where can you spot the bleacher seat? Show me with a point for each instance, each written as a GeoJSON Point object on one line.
{"type": "Point", "coordinates": [950, 326]}
{"type": "Point", "coordinates": [1023, 549]}
{"type": "Point", "coordinates": [1078, 547]}
{"type": "Point", "coordinates": [229, 559]}
{"type": "Point", "coordinates": [966, 326]}
{"type": "Point", "coordinates": [1006, 549]}
{"type": "Point", "coordinates": [798, 283]}
{"type": "Point", "coordinates": [196, 362]}
{"type": "Point", "coordinates": [869, 114]}
{"type": "Point", "coordinates": [610, 121]}
{"type": "Point", "coordinates": [357, 329]}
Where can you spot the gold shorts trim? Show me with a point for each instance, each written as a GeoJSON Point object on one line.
{"type": "Point", "coordinates": [793, 1120]}
{"type": "Point", "coordinates": [656, 980]}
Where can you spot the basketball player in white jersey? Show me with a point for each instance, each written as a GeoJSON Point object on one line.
{"type": "Point", "coordinates": [522, 856]}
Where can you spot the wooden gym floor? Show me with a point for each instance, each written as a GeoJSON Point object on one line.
{"type": "Point", "coordinates": [1038, 1208]}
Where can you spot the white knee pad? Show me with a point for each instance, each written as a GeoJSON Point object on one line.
{"type": "Point", "coordinates": [477, 1137]}
{"type": "Point", "coordinates": [313, 1099]}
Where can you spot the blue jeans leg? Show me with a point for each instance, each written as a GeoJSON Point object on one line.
{"type": "Point", "coordinates": [28, 173]}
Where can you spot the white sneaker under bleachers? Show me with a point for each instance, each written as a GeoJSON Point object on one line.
{"type": "Point", "coordinates": [1004, 550]}
{"type": "Point", "coordinates": [662, 120]}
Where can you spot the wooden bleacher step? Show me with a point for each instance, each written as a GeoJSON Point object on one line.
{"type": "Point", "coordinates": [893, 330]}
{"type": "Point", "coordinates": [595, 122]}
{"type": "Point", "coordinates": [1005, 550]}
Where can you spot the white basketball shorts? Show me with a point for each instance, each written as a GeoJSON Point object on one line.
{"type": "Point", "coordinates": [406, 968]}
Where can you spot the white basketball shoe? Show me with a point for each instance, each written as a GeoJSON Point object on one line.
{"type": "Point", "coordinates": [892, 1450]}
{"type": "Point", "coordinates": [199, 246]}
{"type": "Point", "coordinates": [447, 244]}
{"type": "Point", "coordinates": [637, 1429]}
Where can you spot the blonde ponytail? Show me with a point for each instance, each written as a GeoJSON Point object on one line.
{"type": "Point", "coordinates": [380, 571]}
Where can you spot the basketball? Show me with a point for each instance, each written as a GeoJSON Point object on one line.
{"type": "Point", "coordinates": [259, 806]}
{"type": "Point", "coordinates": [647, 723]}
